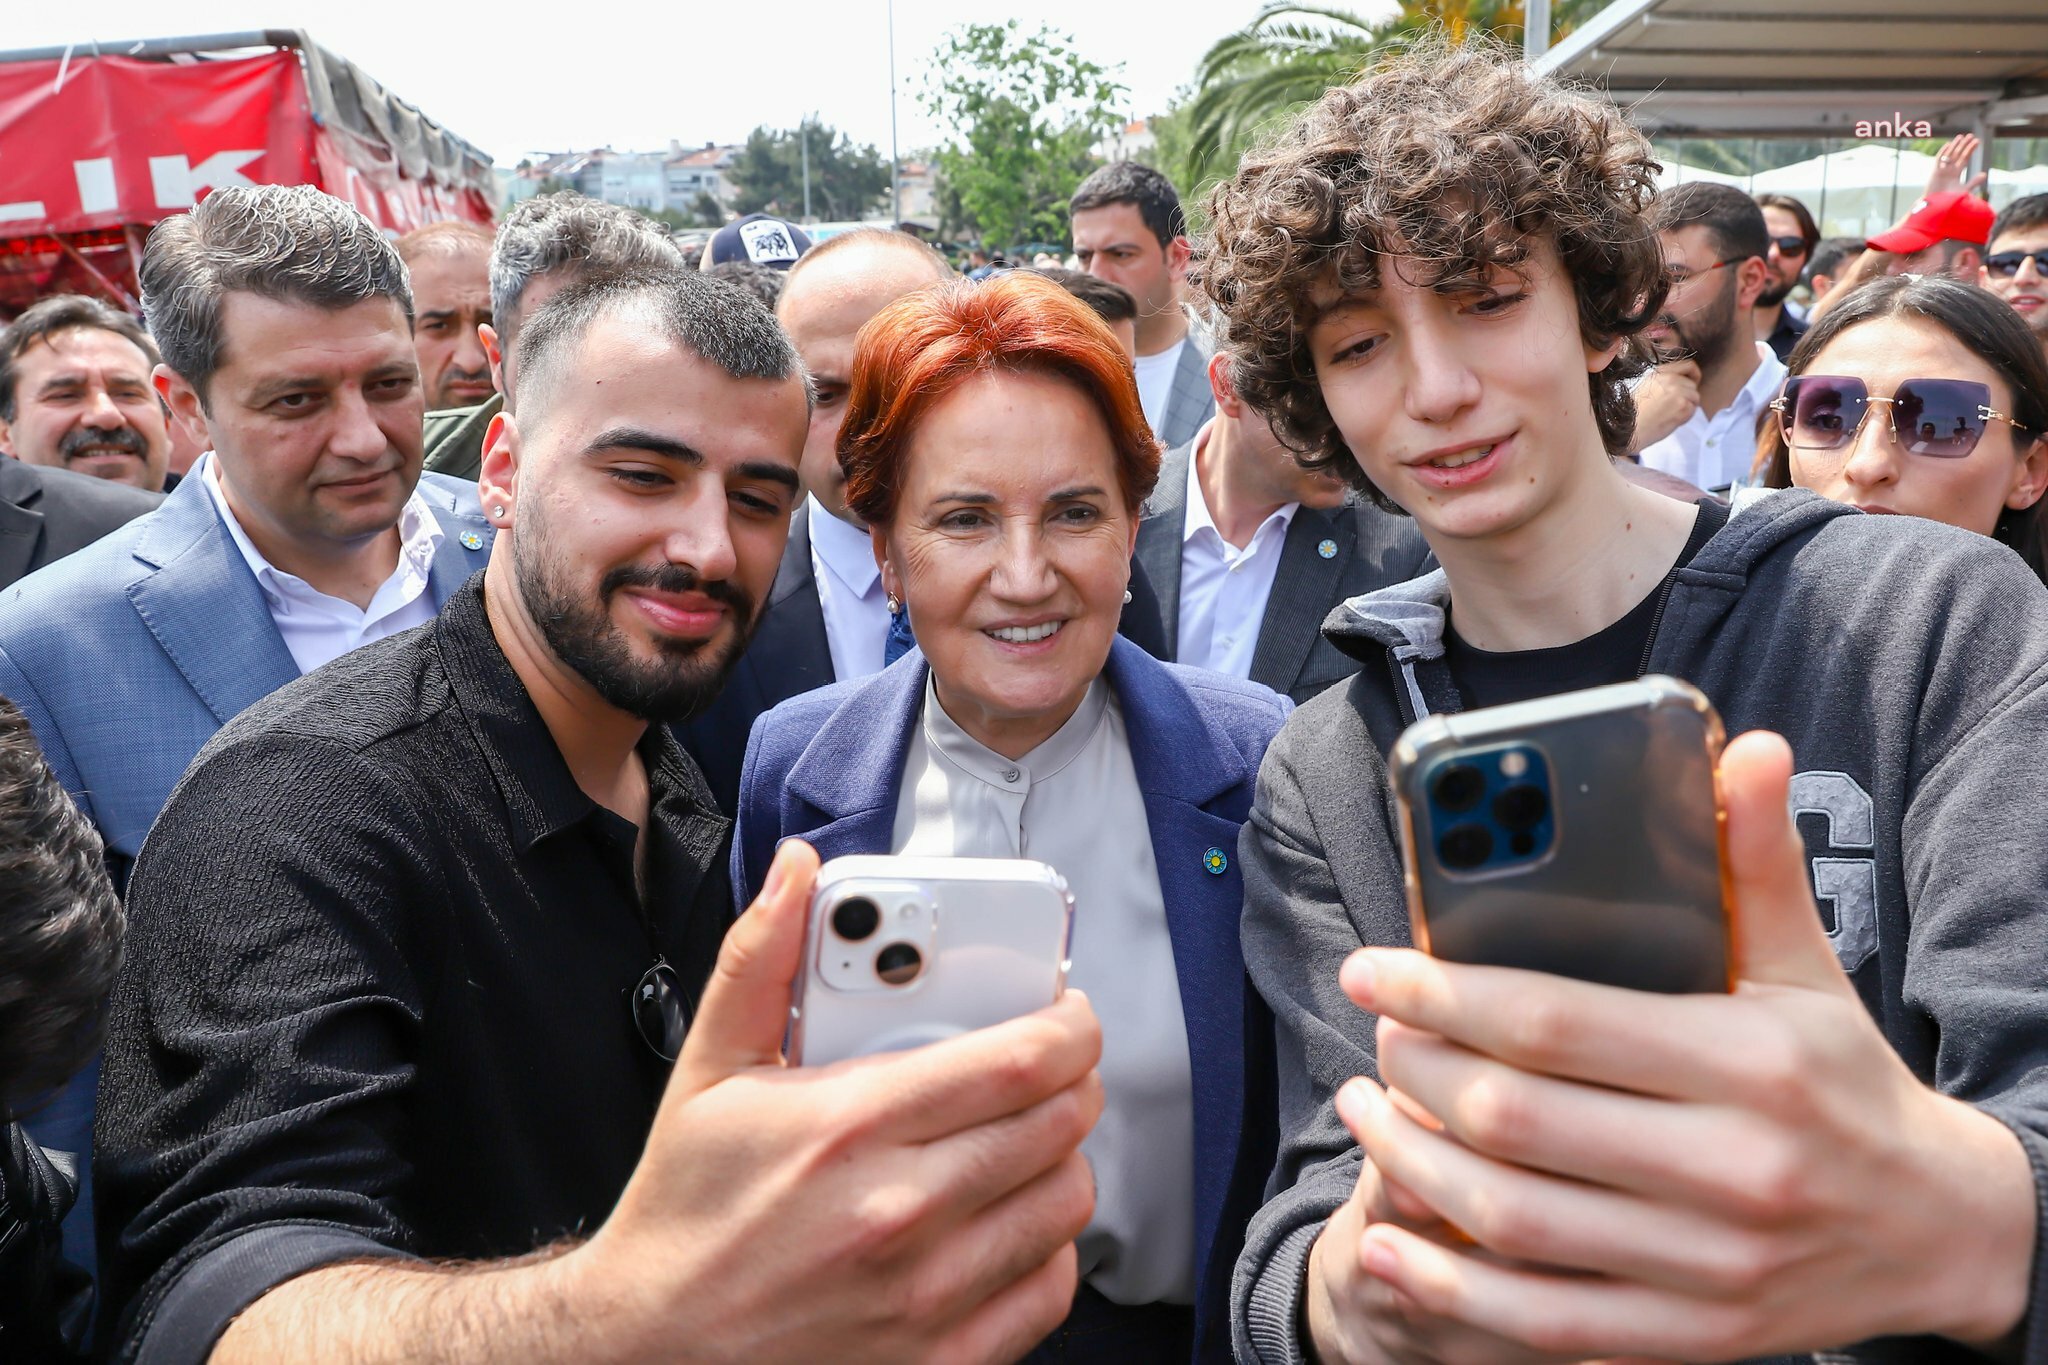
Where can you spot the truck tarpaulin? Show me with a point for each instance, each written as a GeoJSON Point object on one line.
{"type": "Point", "coordinates": [96, 149]}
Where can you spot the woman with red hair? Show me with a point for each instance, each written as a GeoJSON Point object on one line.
{"type": "Point", "coordinates": [994, 445]}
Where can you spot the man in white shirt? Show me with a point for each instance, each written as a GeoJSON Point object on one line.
{"type": "Point", "coordinates": [1696, 413]}
{"type": "Point", "coordinates": [1129, 230]}
{"type": "Point", "coordinates": [826, 618]}
{"type": "Point", "coordinates": [1249, 551]}
{"type": "Point", "coordinates": [285, 324]}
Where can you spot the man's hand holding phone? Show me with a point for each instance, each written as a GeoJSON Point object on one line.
{"type": "Point", "coordinates": [1694, 1176]}
{"type": "Point", "coordinates": [916, 1206]}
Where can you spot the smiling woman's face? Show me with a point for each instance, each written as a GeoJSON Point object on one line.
{"type": "Point", "coordinates": [1011, 547]}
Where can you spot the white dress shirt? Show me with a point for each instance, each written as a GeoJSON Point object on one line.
{"type": "Point", "coordinates": [318, 628]}
{"type": "Point", "coordinates": [1717, 452]}
{"type": "Point", "coordinates": [849, 593]}
{"type": "Point", "coordinates": [1074, 802]}
{"type": "Point", "coordinates": [1223, 589]}
{"type": "Point", "coordinates": [1155, 381]}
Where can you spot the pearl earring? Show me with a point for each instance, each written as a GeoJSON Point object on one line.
{"type": "Point", "coordinates": [1127, 597]}
{"type": "Point", "coordinates": [895, 605]}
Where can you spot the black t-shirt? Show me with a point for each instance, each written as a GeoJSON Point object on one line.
{"type": "Point", "coordinates": [1613, 655]}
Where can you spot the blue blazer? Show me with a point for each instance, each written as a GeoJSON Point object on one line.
{"type": "Point", "coordinates": [828, 766]}
{"type": "Point", "coordinates": [128, 655]}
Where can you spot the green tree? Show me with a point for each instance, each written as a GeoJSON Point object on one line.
{"type": "Point", "coordinates": [1291, 53]}
{"type": "Point", "coordinates": [847, 181]}
{"type": "Point", "coordinates": [1025, 111]}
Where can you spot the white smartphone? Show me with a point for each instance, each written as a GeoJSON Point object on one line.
{"type": "Point", "coordinates": [904, 951]}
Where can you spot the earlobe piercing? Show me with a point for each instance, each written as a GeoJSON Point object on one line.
{"type": "Point", "coordinates": [498, 510]}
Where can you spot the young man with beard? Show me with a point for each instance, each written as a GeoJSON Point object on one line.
{"type": "Point", "coordinates": [416, 940]}
{"type": "Point", "coordinates": [1697, 411]}
{"type": "Point", "coordinates": [1793, 236]}
{"type": "Point", "coordinates": [1850, 1145]}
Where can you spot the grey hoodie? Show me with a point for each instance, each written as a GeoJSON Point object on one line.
{"type": "Point", "coordinates": [1907, 664]}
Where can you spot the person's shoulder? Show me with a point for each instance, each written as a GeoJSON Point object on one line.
{"type": "Point", "coordinates": [117, 502]}
{"type": "Point", "coordinates": [355, 702]}
{"type": "Point", "coordinates": [795, 720]}
{"type": "Point", "coordinates": [447, 493]}
{"type": "Point", "coordinates": [80, 589]}
{"type": "Point", "coordinates": [1231, 698]}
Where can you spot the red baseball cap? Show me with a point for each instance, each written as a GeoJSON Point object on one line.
{"type": "Point", "coordinates": [1951, 216]}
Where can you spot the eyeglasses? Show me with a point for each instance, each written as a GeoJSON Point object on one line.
{"type": "Point", "coordinates": [660, 1012]}
{"type": "Point", "coordinates": [1942, 418]}
{"type": "Point", "coordinates": [2006, 264]}
{"type": "Point", "coordinates": [1677, 275]}
{"type": "Point", "coordinates": [1790, 246]}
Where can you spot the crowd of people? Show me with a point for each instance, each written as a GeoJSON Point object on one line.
{"type": "Point", "coordinates": [433, 671]}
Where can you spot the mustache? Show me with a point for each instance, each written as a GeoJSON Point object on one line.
{"type": "Point", "coordinates": [78, 440]}
{"type": "Point", "coordinates": [454, 376]}
{"type": "Point", "coordinates": [676, 578]}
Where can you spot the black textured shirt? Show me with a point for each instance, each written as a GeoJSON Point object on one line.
{"type": "Point", "coordinates": [376, 994]}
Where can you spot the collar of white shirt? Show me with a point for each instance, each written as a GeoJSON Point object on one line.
{"type": "Point", "coordinates": [419, 540]}
{"type": "Point", "coordinates": [1198, 518]}
{"type": "Point", "coordinates": [1055, 753]}
{"type": "Point", "coordinates": [845, 549]}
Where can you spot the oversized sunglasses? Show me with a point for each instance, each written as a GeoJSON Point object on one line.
{"type": "Point", "coordinates": [2006, 264]}
{"type": "Point", "coordinates": [1790, 246]}
{"type": "Point", "coordinates": [1943, 418]}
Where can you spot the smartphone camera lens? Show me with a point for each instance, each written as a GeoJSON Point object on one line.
{"type": "Point", "coordinates": [854, 918]}
{"type": "Point", "coordinates": [1521, 807]}
{"type": "Point", "coordinates": [1458, 787]}
{"type": "Point", "coordinates": [1465, 847]}
{"type": "Point", "coordinates": [899, 963]}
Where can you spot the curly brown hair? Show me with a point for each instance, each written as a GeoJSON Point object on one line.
{"type": "Point", "coordinates": [1453, 159]}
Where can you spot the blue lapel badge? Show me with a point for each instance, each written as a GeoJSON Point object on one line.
{"type": "Point", "coordinates": [1328, 549]}
{"type": "Point", "coordinates": [470, 540]}
{"type": "Point", "coordinates": [1216, 862]}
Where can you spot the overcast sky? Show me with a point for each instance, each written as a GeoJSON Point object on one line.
{"type": "Point", "coordinates": [524, 76]}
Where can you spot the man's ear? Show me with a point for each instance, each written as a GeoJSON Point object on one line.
{"type": "Point", "coordinates": [6, 439]}
{"type": "Point", "coordinates": [181, 400]}
{"type": "Point", "coordinates": [497, 478]}
{"type": "Point", "coordinates": [1967, 264]}
{"type": "Point", "coordinates": [1223, 387]}
{"type": "Point", "coordinates": [488, 335]}
{"type": "Point", "coordinates": [1752, 274]}
{"type": "Point", "coordinates": [1178, 253]}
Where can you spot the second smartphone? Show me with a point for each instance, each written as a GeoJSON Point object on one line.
{"type": "Point", "coordinates": [1579, 834]}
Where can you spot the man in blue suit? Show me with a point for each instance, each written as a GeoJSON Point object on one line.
{"type": "Point", "coordinates": [285, 324]}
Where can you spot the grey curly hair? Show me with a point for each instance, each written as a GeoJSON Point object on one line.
{"type": "Point", "coordinates": [1453, 159]}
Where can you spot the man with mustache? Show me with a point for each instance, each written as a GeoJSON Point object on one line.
{"type": "Point", "coordinates": [417, 939]}
{"type": "Point", "coordinates": [1696, 413]}
{"type": "Point", "coordinates": [75, 393]}
{"type": "Point", "coordinates": [283, 319]}
{"type": "Point", "coordinates": [449, 265]}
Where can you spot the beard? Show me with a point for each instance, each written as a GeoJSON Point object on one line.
{"type": "Point", "coordinates": [1774, 296]}
{"type": "Point", "coordinates": [1707, 334]}
{"type": "Point", "coordinates": [683, 678]}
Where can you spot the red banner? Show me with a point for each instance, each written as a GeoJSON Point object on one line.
{"type": "Point", "coordinates": [125, 141]}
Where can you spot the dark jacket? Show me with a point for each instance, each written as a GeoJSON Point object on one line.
{"type": "Point", "coordinates": [1326, 558]}
{"type": "Point", "coordinates": [790, 655]}
{"type": "Point", "coordinates": [45, 1302]}
{"type": "Point", "coordinates": [1907, 664]}
{"type": "Point", "coordinates": [46, 514]}
{"type": "Point", "coordinates": [829, 767]}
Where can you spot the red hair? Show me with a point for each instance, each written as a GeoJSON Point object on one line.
{"type": "Point", "coordinates": [925, 345]}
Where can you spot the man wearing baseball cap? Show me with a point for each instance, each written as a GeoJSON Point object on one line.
{"type": "Point", "coordinates": [762, 239]}
{"type": "Point", "coordinates": [1944, 234]}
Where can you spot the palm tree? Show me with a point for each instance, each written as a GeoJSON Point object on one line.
{"type": "Point", "coordinates": [1291, 53]}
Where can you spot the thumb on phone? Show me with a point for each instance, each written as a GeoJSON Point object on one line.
{"type": "Point", "coordinates": [746, 1003]}
{"type": "Point", "coordinates": [1778, 935]}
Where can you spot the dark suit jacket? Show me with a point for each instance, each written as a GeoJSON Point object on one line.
{"type": "Point", "coordinates": [830, 768]}
{"type": "Point", "coordinates": [46, 514]}
{"type": "Point", "coordinates": [791, 654]}
{"type": "Point", "coordinates": [1369, 549]}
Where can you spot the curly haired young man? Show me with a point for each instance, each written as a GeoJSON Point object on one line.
{"type": "Point", "coordinates": [1432, 279]}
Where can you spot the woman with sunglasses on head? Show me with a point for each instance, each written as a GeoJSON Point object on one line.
{"type": "Point", "coordinates": [1925, 397]}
